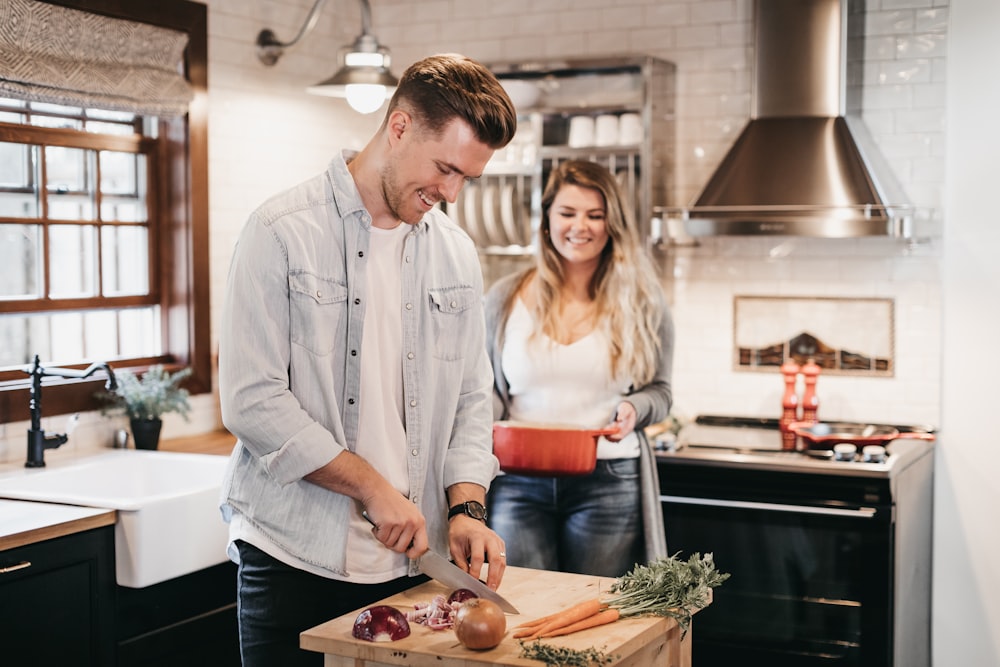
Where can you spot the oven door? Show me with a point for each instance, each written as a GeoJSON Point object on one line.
{"type": "Point", "coordinates": [810, 562]}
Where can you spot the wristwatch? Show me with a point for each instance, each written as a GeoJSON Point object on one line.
{"type": "Point", "coordinates": [470, 508]}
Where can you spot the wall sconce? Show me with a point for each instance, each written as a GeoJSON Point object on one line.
{"type": "Point", "coordinates": [363, 78]}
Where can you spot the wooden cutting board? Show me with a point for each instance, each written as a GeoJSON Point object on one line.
{"type": "Point", "coordinates": [634, 642]}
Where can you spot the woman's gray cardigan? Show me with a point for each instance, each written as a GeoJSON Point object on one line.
{"type": "Point", "coordinates": [652, 404]}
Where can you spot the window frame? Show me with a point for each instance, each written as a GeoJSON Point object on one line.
{"type": "Point", "coordinates": [181, 201]}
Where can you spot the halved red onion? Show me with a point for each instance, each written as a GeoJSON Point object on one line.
{"type": "Point", "coordinates": [381, 623]}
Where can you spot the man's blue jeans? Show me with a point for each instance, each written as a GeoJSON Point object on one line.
{"type": "Point", "coordinates": [275, 602]}
{"type": "Point", "coordinates": [590, 524]}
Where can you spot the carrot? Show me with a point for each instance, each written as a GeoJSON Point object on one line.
{"type": "Point", "coordinates": [577, 612]}
{"type": "Point", "coordinates": [585, 605]}
{"type": "Point", "coordinates": [603, 617]}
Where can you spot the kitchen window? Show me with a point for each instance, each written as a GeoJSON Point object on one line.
{"type": "Point", "coordinates": [103, 232]}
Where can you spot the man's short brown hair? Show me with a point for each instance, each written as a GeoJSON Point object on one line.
{"type": "Point", "coordinates": [439, 88]}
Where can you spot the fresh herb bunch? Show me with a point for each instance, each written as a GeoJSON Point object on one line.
{"type": "Point", "coordinates": [152, 395]}
{"type": "Point", "coordinates": [667, 587]}
{"type": "Point", "coordinates": [561, 656]}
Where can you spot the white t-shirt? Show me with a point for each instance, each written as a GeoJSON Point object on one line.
{"type": "Point", "coordinates": [381, 425]}
{"type": "Point", "coordinates": [572, 384]}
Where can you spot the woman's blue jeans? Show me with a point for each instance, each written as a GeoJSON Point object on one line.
{"type": "Point", "coordinates": [590, 524]}
{"type": "Point", "coordinates": [275, 602]}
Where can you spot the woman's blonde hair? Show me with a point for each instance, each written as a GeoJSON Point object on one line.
{"type": "Point", "coordinates": [624, 287]}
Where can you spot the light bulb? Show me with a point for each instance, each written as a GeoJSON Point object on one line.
{"type": "Point", "coordinates": [365, 97]}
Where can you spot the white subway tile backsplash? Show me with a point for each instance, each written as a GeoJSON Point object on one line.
{"type": "Point", "coordinates": [711, 11]}
{"type": "Point", "coordinates": [903, 86]}
{"type": "Point", "coordinates": [667, 14]}
{"type": "Point", "coordinates": [905, 4]}
{"type": "Point", "coordinates": [889, 22]}
{"type": "Point", "coordinates": [929, 95]}
{"type": "Point", "coordinates": [932, 20]}
{"type": "Point", "coordinates": [699, 36]}
{"type": "Point", "coordinates": [620, 17]}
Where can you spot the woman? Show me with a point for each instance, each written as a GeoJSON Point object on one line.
{"type": "Point", "coordinates": [583, 337]}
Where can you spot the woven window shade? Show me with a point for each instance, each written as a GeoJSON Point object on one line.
{"type": "Point", "coordinates": [66, 56]}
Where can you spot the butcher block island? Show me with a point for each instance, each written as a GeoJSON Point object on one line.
{"type": "Point", "coordinates": [631, 642]}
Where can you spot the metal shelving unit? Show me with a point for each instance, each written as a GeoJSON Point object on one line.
{"type": "Point", "coordinates": [503, 211]}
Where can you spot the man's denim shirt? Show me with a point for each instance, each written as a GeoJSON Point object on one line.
{"type": "Point", "coordinates": [290, 360]}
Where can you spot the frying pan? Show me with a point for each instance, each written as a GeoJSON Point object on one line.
{"type": "Point", "coordinates": [546, 450]}
{"type": "Point", "coordinates": [829, 434]}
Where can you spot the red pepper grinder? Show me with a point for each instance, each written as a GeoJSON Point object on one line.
{"type": "Point", "coordinates": [810, 401]}
{"type": "Point", "coordinates": [789, 404]}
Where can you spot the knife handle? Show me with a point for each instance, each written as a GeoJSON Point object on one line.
{"type": "Point", "coordinates": [364, 513]}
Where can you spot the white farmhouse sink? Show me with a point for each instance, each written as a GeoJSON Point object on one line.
{"type": "Point", "coordinates": [168, 524]}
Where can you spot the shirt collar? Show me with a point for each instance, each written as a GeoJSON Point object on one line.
{"type": "Point", "coordinates": [346, 194]}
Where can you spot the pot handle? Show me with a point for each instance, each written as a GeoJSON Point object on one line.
{"type": "Point", "coordinates": [916, 436]}
{"type": "Point", "coordinates": [798, 427]}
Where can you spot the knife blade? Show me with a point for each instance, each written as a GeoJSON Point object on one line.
{"type": "Point", "coordinates": [441, 569]}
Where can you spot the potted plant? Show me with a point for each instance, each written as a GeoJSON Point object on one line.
{"type": "Point", "coordinates": [146, 398]}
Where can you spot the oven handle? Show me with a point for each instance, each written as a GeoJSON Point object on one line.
{"type": "Point", "coordinates": [860, 513]}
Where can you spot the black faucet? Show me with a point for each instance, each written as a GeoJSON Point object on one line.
{"type": "Point", "coordinates": [38, 442]}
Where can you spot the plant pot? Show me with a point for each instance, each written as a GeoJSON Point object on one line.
{"type": "Point", "coordinates": [146, 433]}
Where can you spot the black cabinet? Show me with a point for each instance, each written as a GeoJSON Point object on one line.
{"type": "Point", "coordinates": [190, 621]}
{"type": "Point", "coordinates": [57, 601]}
{"type": "Point", "coordinates": [60, 605]}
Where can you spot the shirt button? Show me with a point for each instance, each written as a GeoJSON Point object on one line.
{"type": "Point", "coordinates": [350, 401]}
{"type": "Point", "coordinates": [454, 304]}
{"type": "Point", "coordinates": [414, 452]}
{"type": "Point", "coordinates": [319, 294]}
{"type": "Point", "coordinates": [357, 301]}
{"type": "Point", "coordinates": [361, 253]}
{"type": "Point", "coordinates": [413, 403]}
{"type": "Point", "coordinates": [354, 353]}
{"type": "Point", "coordinates": [407, 259]}
{"type": "Point", "coordinates": [409, 355]}
{"type": "Point", "coordinates": [409, 306]}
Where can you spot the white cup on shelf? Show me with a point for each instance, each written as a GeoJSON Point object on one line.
{"type": "Point", "coordinates": [581, 131]}
{"type": "Point", "coordinates": [630, 129]}
{"type": "Point", "coordinates": [606, 130]}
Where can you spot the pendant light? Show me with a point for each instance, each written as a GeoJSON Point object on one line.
{"type": "Point", "coordinates": [363, 78]}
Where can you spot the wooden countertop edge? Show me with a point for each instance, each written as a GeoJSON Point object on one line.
{"type": "Point", "coordinates": [62, 529]}
{"type": "Point", "coordinates": [219, 442]}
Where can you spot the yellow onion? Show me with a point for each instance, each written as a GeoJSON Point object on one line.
{"type": "Point", "coordinates": [480, 624]}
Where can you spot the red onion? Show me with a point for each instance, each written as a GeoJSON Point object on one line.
{"type": "Point", "coordinates": [461, 595]}
{"type": "Point", "coordinates": [381, 623]}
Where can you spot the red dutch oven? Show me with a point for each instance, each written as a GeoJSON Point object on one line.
{"type": "Point", "coordinates": [543, 450]}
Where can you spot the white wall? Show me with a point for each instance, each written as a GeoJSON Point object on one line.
{"type": "Point", "coordinates": [967, 539]}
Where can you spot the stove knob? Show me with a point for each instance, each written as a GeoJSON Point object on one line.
{"type": "Point", "coordinates": [873, 454]}
{"type": "Point", "coordinates": [844, 451]}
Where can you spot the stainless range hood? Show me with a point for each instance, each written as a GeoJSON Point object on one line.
{"type": "Point", "coordinates": [804, 165]}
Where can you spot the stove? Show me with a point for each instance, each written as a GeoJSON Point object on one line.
{"type": "Point", "coordinates": [830, 558]}
{"type": "Point", "coordinates": [756, 443]}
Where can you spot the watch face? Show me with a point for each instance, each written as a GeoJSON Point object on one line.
{"type": "Point", "coordinates": [475, 510]}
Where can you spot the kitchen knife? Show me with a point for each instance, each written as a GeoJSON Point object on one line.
{"type": "Point", "coordinates": [441, 569]}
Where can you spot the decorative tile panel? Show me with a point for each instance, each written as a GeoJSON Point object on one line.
{"type": "Point", "coordinates": [844, 336]}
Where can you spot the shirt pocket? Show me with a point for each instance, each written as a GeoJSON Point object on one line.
{"type": "Point", "coordinates": [451, 308]}
{"type": "Point", "coordinates": [317, 307]}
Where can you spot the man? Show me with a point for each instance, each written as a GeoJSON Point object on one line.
{"type": "Point", "coordinates": [353, 370]}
